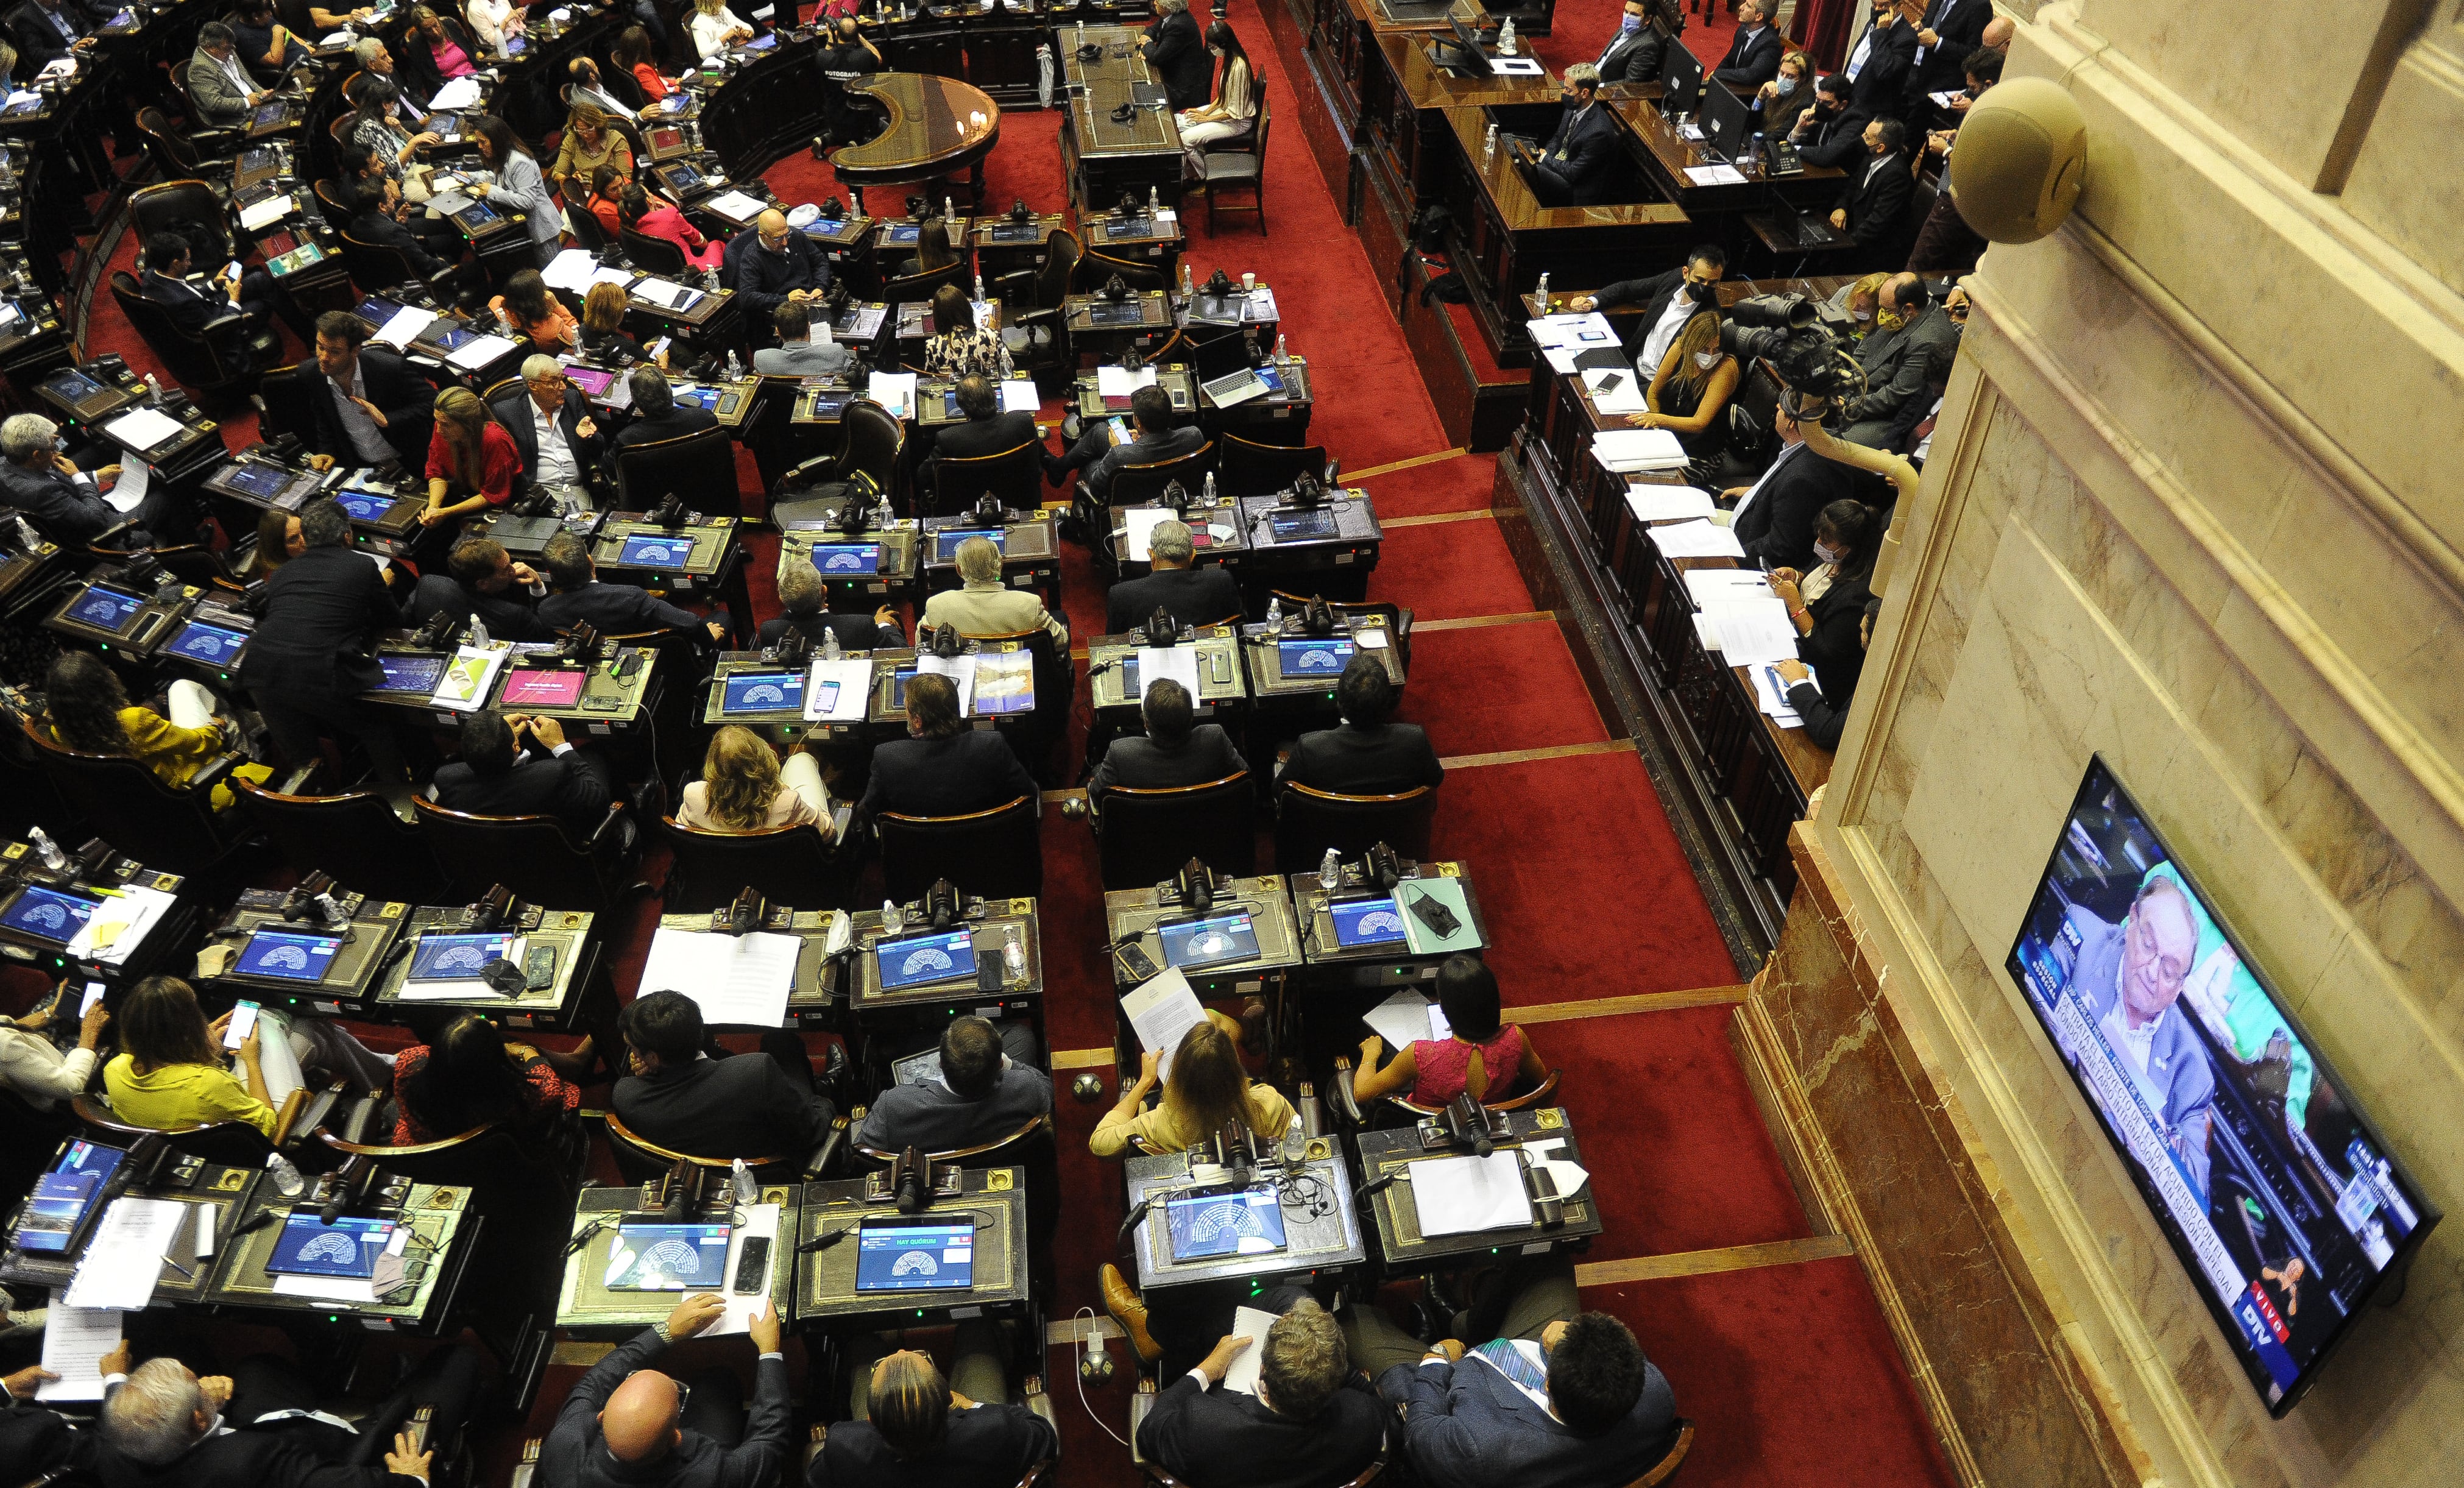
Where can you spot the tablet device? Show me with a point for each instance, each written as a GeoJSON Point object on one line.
{"type": "Point", "coordinates": [903, 233]}
{"type": "Point", "coordinates": [264, 481]}
{"type": "Point", "coordinates": [348, 1248]}
{"type": "Point", "coordinates": [668, 1258]}
{"type": "Point", "coordinates": [1210, 1226]}
{"type": "Point", "coordinates": [556, 687]}
{"type": "Point", "coordinates": [48, 914]}
{"type": "Point", "coordinates": [891, 1255]}
{"type": "Point", "coordinates": [913, 960]}
{"type": "Point", "coordinates": [1209, 940]}
{"type": "Point", "coordinates": [62, 1195]}
{"type": "Point", "coordinates": [365, 506]}
{"type": "Point", "coordinates": [105, 609]}
{"type": "Point", "coordinates": [287, 954]}
{"type": "Point", "coordinates": [847, 560]}
{"type": "Point", "coordinates": [410, 674]}
{"type": "Point", "coordinates": [655, 552]}
{"type": "Point", "coordinates": [1313, 657]}
{"type": "Point", "coordinates": [765, 693]}
{"type": "Point", "coordinates": [212, 644]}
{"type": "Point", "coordinates": [945, 542]}
{"type": "Point", "coordinates": [1290, 526]}
{"type": "Point", "coordinates": [594, 381]}
{"type": "Point", "coordinates": [1366, 922]}
{"type": "Point", "coordinates": [456, 957]}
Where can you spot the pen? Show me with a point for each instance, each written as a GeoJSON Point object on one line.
{"type": "Point", "coordinates": [176, 1266]}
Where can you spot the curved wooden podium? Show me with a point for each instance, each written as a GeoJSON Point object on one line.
{"type": "Point", "coordinates": [938, 126]}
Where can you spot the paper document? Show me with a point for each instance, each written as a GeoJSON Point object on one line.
{"type": "Point", "coordinates": [471, 356]}
{"type": "Point", "coordinates": [1141, 522]}
{"type": "Point", "coordinates": [1406, 1019]}
{"type": "Point", "coordinates": [1697, 539]}
{"type": "Point", "coordinates": [742, 979]}
{"type": "Point", "coordinates": [1753, 632]}
{"type": "Point", "coordinates": [457, 93]}
{"type": "Point", "coordinates": [571, 271]}
{"type": "Point", "coordinates": [736, 205]}
{"type": "Point", "coordinates": [1018, 396]}
{"type": "Point", "coordinates": [1180, 663]}
{"type": "Point", "coordinates": [130, 488]}
{"type": "Point", "coordinates": [960, 669]}
{"type": "Point", "coordinates": [894, 391]}
{"type": "Point", "coordinates": [853, 698]}
{"type": "Point", "coordinates": [1639, 449]}
{"type": "Point", "coordinates": [1121, 381]}
{"type": "Point", "coordinates": [1718, 586]}
{"type": "Point", "coordinates": [1613, 391]}
{"type": "Point", "coordinates": [273, 210]}
{"type": "Point", "coordinates": [75, 1340]}
{"type": "Point", "coordinates": [125, 1258]}
{"type": "Point", "coordinates": [760, 1219]}
{"type": "Point", "coordinates": [861, 324]}
{"type": "Point", "coordinates": [1549, 1157]}
{"type": "Point", "coordinates": [1457, 1195]}
{"type": "Point", "coordinates": [1582, 331]}
{"type": "Point", "coordinates": [404, 327]}
{"type": "Point", "coordinates": [192, 707]}
{"type": "Point", "coordinates": [1667, 503]}
{"type": "Point", "coordinates": [143, 428]}
{"type": "Point", "coordinates": [1416, 896]}
{"type": "Point", "coordinates": [114, 932]}
{"type": "Point", "coordinates": [1161, 1009]}
{"type": "Point", "coordinates": [667, 296]}
{"type": "Point", "coordinates": [1715, 175]}
{"type": "Point", "coordinates": [328, 1288]}
{"type": "Point", "coordinates": [1251, 1324]}
{"type": "Point", "coordinates": [468, 676]}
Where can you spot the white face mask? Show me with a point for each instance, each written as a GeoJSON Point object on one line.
{"type": "Point", "coordinates": [1784, 86]}
{"type": "Point", "coordinates": [1707, 360]}
{"type": "Point", "coordinates": [1864, 314]}
{"type": "Point", "coordinates": [1827, 554]}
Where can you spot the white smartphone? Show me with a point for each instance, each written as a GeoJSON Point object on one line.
{"type": "Point", "coordinates": [242, 1019]}
{"type": "Point", "coordinates": [93, 995]}
{"type": "Point", "coordinates": [233, 269]}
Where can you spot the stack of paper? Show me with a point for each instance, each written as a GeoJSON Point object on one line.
{"type": "Point", "coordinates": [124, 1259]}
{"type": "Point", "coordinates": [1018, 395]}
{"type": "Point", "coordinates": [838, 692]}
{"type": "Point", "coordinates": [1667, 503]}
{"type": "Point", "coordinates": [404, 327]}
{"type": "Point", "coordinates": [1625, 449]}
{"type": "Point", "coordinates": [1696, 540]}
{"type": "Point", "coordinates": [143, 428]}
{"type": "Point", "coordinates": [571, 271]}
{"type": "Point", "coordinates": [473, 354]}
{"type": "Point", "coordinates": [273, 210]}
{"type": "Point", "coordinates": [1750, 631]}
{"type": "Point", "coordinates": [75, 1340]}
{"type": "Point", "coordinates": [1161, 1009]}
{"type": "Point", "coordinates": [960, 669]}
{"type": "Point", "coordinates": [1578, 331]}
{"type": "Point", "coordinates": [739, 979]}
{"type": "Point", "coordinates": [665, 295]}
{"type": "Point", "coordinates": [1457, 1195]}
{"type": "Point", "coordinates": [1715, 175]}
{"type": "Point", "coordinates": [458, 93]}
{"type": "Point", "coordinates": [894, 391]}
{"type": "Point", "coordinates": [1121, 381]}
{"type": "Point", "coordinates": [736, 205]}
{"type": "Point", "coordinates": [1406, 1019]}
{"type": "Point", "coordinates": [121, 926]}
{"type": "Point", "coordinates": [1706, 586]}
{"type": "Point", "coordinates": [1180, 663]}
{"type": "Point", "coordinates": [1140, 523]}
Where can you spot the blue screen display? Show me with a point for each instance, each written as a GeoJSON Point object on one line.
{"type": "Point", "coordinates": [61, 1194]}
{"type": "Point", "coordinates": [1210, 941]}
{"type": "Point", "coordinates": [456, 958]}
{"type": "Point", "coordinates": [945, 542]}
{"type": "Point", "coordinates": [365, 506]}
{"type": "Point", "coordinates": [1216, 1225]}
{"type": "Point", "coordinates": [763, 692]}
{"type": "Point", "coordinates": [410, 674]}
{"type": "Point", "coordinates": [212, 644]}
{"type": "Point", "coordinates": [47, 913]}
{"type": "Point", "coordinates": [287, 955]}
{"type": "Point", "coordinates": [903, 1258]}
{"type": "Point", "coordinates": [668, 1258]}
{"type": "Point", "coordinates": [1313, 657]}
{"type": "Point", "coordinates": [346, 1248]}
{"type": "Point", "coordinates": [847, 560]}
{"type": "Point", "coordinates": [107, 609]}
{"type": "Point", "coordinates": [918, 959]}
{"type": "Point", "coordinates": [1366, 922]}
{"type": "Point", "coordinates": [656, 552]}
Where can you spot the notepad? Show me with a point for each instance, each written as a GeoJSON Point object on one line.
{"type": "Point", "coordinates": [273, 210]}
{"type": "Point", "coordinates": [1667, 503]}
{"type": "Point", "coordinates": [1141, 523]}
{"type": "Point", "coordinates": [742, 979]}
{"type": "Point", "coordinates": [476, 352]}
{"type": "Point", "coordinates": [1018, 396]}
{"type": "Point", "coordinates": [143, 428]}
{"type": "Point", "coordinates": [1459, 1195]}
{"type": "Point", "coordinates": [1697, 539]}
{"type": "Point", "coordinates": [1121, 381]}
{"type": "Point", "coordinates": [838, 692]}
{"type": "Point", "coordinates": [404, 327]}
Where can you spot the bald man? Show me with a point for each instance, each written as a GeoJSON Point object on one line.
{"type": "Point", "coordinates": [769, 264]}
{"type": "Point", "coordinates": [626, 1425]}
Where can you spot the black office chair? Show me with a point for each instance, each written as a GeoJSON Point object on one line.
{"type": "Point", "coordinates": [589, 233]}
{"type": "Point", "coordinates": [919, 288]}
{"type": "Point", "coordinates": [222, 359]}
{"type": "Point", "coordinates": [1247, 469]}
{"type": "Point", "coordinates": [995, 853]}
{"type": "Point", "coordinates": [653, 255]}
{"type": "Point", "coordinates": [1144, 835]}
{"type": "Point", "coordinates": [1035, 320]}
{"type": "Point", "coordinates": [232, 1144]}
{"type": "Point", "coordinates": [788, 864]}
{"type": "Point", "coordinates": [215, 141]}
{"type": "Point", "coordinates": [534, 855]}
{"type": "Point", "coordinates": [1093, 271]}
{"type": "Point", "coordinates": [870, 443]}
{"type": "Point", "coordinates": [1141, 485]}
{"type": "Point", "coordinates": [168, 147]}
{"type": "Point", "coordinates": [333, 201]}
{"type": "Point", "coordinates": [1308, 821]}
{"type": "Point", "coordinates": [699, 467]}
{"type": "Point", "coordinates": [375, 267]}
{"type": "Point", "coordinates": [1401, 1111]}
{"type": "Point", "coordinates": [1241, 168]}
{"type": "Point", "coordinates": [640, 1160]}
{"type": "Point", "coordinates": [1014, 475]}
{"type": "Point", "coordinates": [1142, 1405]}
{"type": "Point", "coordinates": [284, 406]}
{"type": "Point", "coordinates": [355, 837]}
{"type": "Point", "coordinates": [174, 828]}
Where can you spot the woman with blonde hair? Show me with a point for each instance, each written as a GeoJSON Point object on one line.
{"type": "Point", "coordinates": [604, 338]}
{"type": "Point", "coordinates": [716, 27]}
{"type": "Point", "coordinates": [589, 143]}
{"type": "Point", "coordinates": [1207, 1090]}
{"type": "Point", "coordinates": [1689, 393]}
{"type": "Point", "coordinates": [744, 788]}
{"type": "Point", "coordinates": [472, 461]}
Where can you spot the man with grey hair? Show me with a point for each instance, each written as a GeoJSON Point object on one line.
{"type": "Point", "coordinates": [1313, 1420]}
{"type": "Point", "coordinates": [657, 414]}
{"type": "Point", "coordinates": [1177, 51]}
{"type": "Point", "coordinates": [986, 607]}
{"type": "Point", "coordinates": [219, 83]}
{"type": "Point", "coordinates": [1191, 595]}
{"type": "Point", "coordinates": [66, 504]}
{"type": "Point", "coordinates": [1578, 167]}
{"type": "Point", "coordinates": [164, 1426]}
{"type": "Point", "coordinates": [552, 429]}
{"type": "Point", "coordinates": [805, 598]}
{"type": "Point", "coordinates": [378, 62]}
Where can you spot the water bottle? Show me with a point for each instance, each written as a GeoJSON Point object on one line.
{"type": "Point", "coordinates": [1295, 1146]}
{"type": "Point", "coordinates": [882, 517]}
{"type": "Point", "coordinates": [979, 289]}
{"type": "Point", "coordinates": [1330, 871]}
{"type": "Point", "coordinates": [890, 921]}
{"type": "Point", "coordinates": [1154, 202]}
{"type": "Point", "coordinates": [1275, 605]}
{"type": "Point", "coordinates": [948, 213]}
{"type": "Point", "coordinates": [735, 368]}
{"type": "Point", "coordinates": [1210, 488]}
{"type": "Point", "coordinates": [830, 650]}
{"type": "Point", "coordinates": [478, 630]}
{"type": "Point", "coordinates": [1283, 362]}
{"type": "Point", "coordinates": [26, 532]}
{"type": "Point", "coordinates": [741, 1177]}
{"type": "Point", "coordinates": [46, 850]}
{"type": "Point", "coordinates": [1188, 285]}
{"type": "Point", "coordinates": [1505, 38]}
{"type": "Point", "coordinates": [1543, 292]}
{"type": "Point", "coordinates": [1013, 953]}
{"type": "Point", "coordinates": [286, 1179]}
{"type": "Point", "coordinates": [153, 391]}
{"type": "Point", "coordinates": [1082, 35]}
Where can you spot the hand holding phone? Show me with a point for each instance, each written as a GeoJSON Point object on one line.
{"type": "Point", "coordinates": [243, 1021]}
{"type": "Point", "coordinates": [93, 995]}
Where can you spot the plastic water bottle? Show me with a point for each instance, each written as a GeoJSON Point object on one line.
{"type": "Point", "coordinates": [830, 649]}
{"type": "Point", "coordinates": [1210, 488]}
{"type": "Point", "coordinates": [1154, 202]}
{"type": "Point", "coordinates": [979, 289]}
{"type": "Point", "coordinates": [1188, 285]}
{"type": "Point", "coordinates": [287, 1178]}
{"type": "Point", "coordinates": [1295, 1146]}
{"type": "Point", "coordinates": [892, 921]}
{"type": "Point", "coordinates": [46, 850]}
{"type": "Point", "coordinates": [735, 368]}
{"type": "Point", "coordinates": [1082, 35]}
{"type": "Point", "coordinates": [741, 1177]}
{"type": "Point", "coordinates": [1283, 362]}
{"type": "Point", "coordinates": [1275, 605]}
{"type": "Point", "coordinates": [1330, 871]}
{"type": "Point", "coordinates": [1543, 292]}
{"type": "Point", "coordinates": [882, 517]}
{"type": "Point", "coordinates": [153, 391]}
{"type": "Point", "coordinates": [1505, 38]}
{"type": "Point", "coordinates": [1013, 953]}
{"type": "Point", "coordinates": [948, 212]}
{"type": "Point", "coordinates": [478, 630]}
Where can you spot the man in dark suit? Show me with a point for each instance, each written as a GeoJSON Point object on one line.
{"type": "Point", "coordinates": [657, 414]}
{"type": "Point", "coordinates": [1191, 595]}
{"type": "Point", "coordinates": [66, 505]}
{"type": "Point", "coordinates": [740, 1105]}
{"type": "Point", "coordinates": [1177, 52]}
{"type": "Point", "coordinates": [1562, 1398]}
{"type": "Point", "coordinates": [981, 1094]}
{"type": "Point", "coordinates": [769, 263]}
{"type": "Point", "coordinates": [1907, 357]}
{"type": "Point", "coordinates": [1773, 518]}
{"type": "Point", "coordinates": [1634, 54]}
{"type": "Point", "coordinates": [496, 777]}
{"type": "Point", "coordinates": [1953, 32]}
{"type": "Point", "coordinates": [1668, 300]}
{"type": "Point", "coordinates": [911, 1425]}
{"type": "Point", "coordinates": [1174, 750]}
{"type": "Point", "coordinates": [1366, 755]}
{"type": "Point", "coordinates": [313, 652]}
{"type": "Point", "coordinates": [481, 578]}
{"type": "Point", "coordinates": [610, 609]}
{"type": "Point", "coordinates": [1832, 132]}
{"type": "Point", "coordinates": [1754, 54]}
{"type": "Point", "coordinates": [1874, 205]}
{"type": "Point", "coordinates": [1578, 164]}
{"type": "Point", "coordinates": [988, 430]}
{"type": "Point", "coordinates": [550, 421]}
{"type": "Point", "coordinates": [250, 296]}
{"type": "Point", "coordinates": [1313, 1420]}
{"type": "Point", "coordinates": [34, 1440]}
{"type": "Point", "coordinates": [943, 768]}
{"type": "Point", "coordinates": [1878, 65]}
{"type": "Point", "coordinates": [376, 217]}
{"type": "Point", "coordinates": [372, 408]}
{"type": "Point", "coordinates": [1154, 441]}
{"type": "Point", "coordinates": [627, 1423]}
{"type": "Point", "coordinates": [49, 29]}
{"type": "Point", "coordinates": [805, 600]}
{"type": "Point", "coordinates": [163, 1427]}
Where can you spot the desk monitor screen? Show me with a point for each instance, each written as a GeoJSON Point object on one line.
{"type": "Point", "coordinates": [918, 959]}
{"type": "Point", "coordinates": [263, 481]}
{"type": "Point", "coordinates": [378, 309]}
{"type": "Point", "coordinates": [681, 176]}
{"type": "Point", "coordinates": [898, 680]}
{"type": "Point", "coordinates": [1211, 1226]}
{"type": "Point", "coordinates": [1129, 312]}
{"type": "Point", "coordinates": [288, 955]}
{"type": "Point", "coordinates": [1313, 657]}
{"type": "Point", "coordinates": [594, 381]}
{"type": "Point", "coordinates": [891, 1255]}
{"type": "Point", "coordinates": [945, 542]}
{"type": "Point", "coordinates": [2279, 1194]}
{"type": "Point", "coordinates": [1681, 80]}
{"type": "Point", "coordinates": [903, 233]}
{"type": "Point", "coordinates": [365, 506]}
{"type": "Point", "coordinates": [71, 385]}
{"type": "Point", "coordinates": [1366, 922]}
{"type": "Point", "coordinates": [847, 560]}
{"type": "Point", "coordinates": [1017, 232]}
{"type": "Point", "coordinates": [655, 552]}
{"type": "Point", "coordinates": [348, 1248]}
{"type": "Point", "coordinates": [49, 915]}
{"type": "Point", "coordinates": [449, 337]}
{"type": "Point", "coordinates": [410, 674]}
{"type": "Point", "coordinates": [765, 693]}
{"type": "Point", "coordinates": [271, 114]}
{"type": "Point", "coordinates": [668, 1258]}
{"type": "Point", "coordinates": [1210, 940]}
{"type": "Point", "coordinates": [105, 609]}
{"type": "Point", "coordinates": [671, 137]}
{"type": "Point", "coordinates": [456, 957]}
{"type": "Point", "coordinates": [549, 687]}
{"type": "Point", "coordinates": [61, 1196]}
{"type": "Point", "coordinates": [479, 214]}
{"type": "Point", "coordinates": [1290, 524]}
{"type": "Point", "coordinates": [1725, 124]}
{"type": "Point", "coordinates": [211, 644]}
{"type": "Point", "coordinates": [707, 397]}
{"type": "Point", "coordinates": [761, 43]}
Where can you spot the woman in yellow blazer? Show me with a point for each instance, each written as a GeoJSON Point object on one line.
{"type": "Point", "coordinates": [91, 711]}
{"type": "Point", "coordinates": [1208, 1089]}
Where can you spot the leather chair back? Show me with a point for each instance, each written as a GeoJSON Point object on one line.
{"type": "Point", "coordinates": [653, 255]}
{"type": "Point", "coordinates": [1246, 469]}
{"type": "Point", "coordinates": [355, 837]}
{"type": "Point", "coordinates": [995, 853]}
{"type": "Point", "coordinates": [870, 441]}
{"type": "Point", "coordinates": [919, 288]}
{"type": "Point", "coordinates": [533, 856]}
{"type": "Point", "coordinates": [233, 1143]}
{"type": "Point", "coordinates": [375, 265]}
{"type": "Point", "coordinates": [204, 364]}
{"type": "Point", "coordinates": [169, 149]}
{"type": "Point", "coordinates": [699, 467]}
{"type": "Point", "coordinates": [1309, 821]}
{"type": "Point", "coordinates": [1030, 1147]}
{"type": "Point", "coordinates": [640, 1160]}
{"type": "Point", "coordinates": [787, 864]}
{"type": "Point", "coordinates": [190, 209]}
{"type": "Point", "coordinates": [1145, 836]}
{"type": "Point", "coordinates": [166, 827]}
{"type": "Point", "coordinates": [1142, 484]}
{"type": "Point", "coordinates": [1014, 476]}
{"type": "Point", "coordinates": [1093, 271]}
{"type": "Point", "coordinates": [1061, 254]}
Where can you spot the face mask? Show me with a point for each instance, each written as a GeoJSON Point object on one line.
{"type": "Point", "coordinates": [1892, 319]}
{"type": "Point", "coordinates": [1828, 554]}
{"type": "Point", "coordinates": [1633, 24]}
{"type": "Point", "coordinates": [1784, 86]}
{"type": "Point", "coordinates": [1863, 314]}
{"type": "Point", "coordinates": [1707, 360]}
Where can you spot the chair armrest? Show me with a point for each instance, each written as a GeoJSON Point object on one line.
{"type": "Point", "coordinates": [362, 1115]}
{"type": "Point", "coordinates": [119, 529]}
{"type": "Point", "coordinates": [296, 783]}
{"type": "Point", "coordinates": [823, 1159]}
{"type": "Point", "coordinates": [442, 279]}
{"type": "Point", "coordinates": [607, 824]}
{"type": "Point", "coordinates": [287, 1115]}
{"type": "Point", "coordinates": [1023, 278]}
{"type": "Point", "coordinates": [212, 772]}
{"type": "Point", "coordinates": [1339, 1093]}
{"type": "Point", "coordinates": [526, 1471]}
{"type": "Point", "coordinates": [1031, 1395]}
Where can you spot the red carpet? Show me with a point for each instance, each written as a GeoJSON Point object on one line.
{"type": "Point", "coordinates": [1459, 483]}
{"type": "Point", "coordinates": [1450, 571]}
{"type": "Point", "coordinates": [1504, 687]}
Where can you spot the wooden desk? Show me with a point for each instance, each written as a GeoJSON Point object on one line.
{"type": "Point", "coordinates": [1667, 157]}
{"type": "Point", "coordinates": [1103, 158]}
{"type": "Point", "coordinates": [938, 126]}
{"type": "Point", "coordinates": [1405, 132]}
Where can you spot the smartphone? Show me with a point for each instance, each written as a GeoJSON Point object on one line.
{"type": "Point", "coordinates": [243, 1018]}
{"type": "Point", "coordinates": [827, 697]}
{"type": "Point", "coordinates": [1609, 384]}
{"type": "Point", "coordinates": [93, 995]}
{"type": "Point", "coordinates": [233, 269]}
{"type": "Point", "coordinates": [752, 1265]}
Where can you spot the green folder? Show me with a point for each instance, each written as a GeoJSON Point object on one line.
{"type": "Point", "coordinates": [1418, 936]}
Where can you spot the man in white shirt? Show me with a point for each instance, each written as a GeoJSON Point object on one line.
{"type": "Point", "coordinates": [552, 429]}
{"type": "Point", "coordinates": [1668, 299]}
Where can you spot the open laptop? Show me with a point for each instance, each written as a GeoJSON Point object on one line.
{"type": "Point", "coordinates": [1787, 223]}
{"type": "Point", "coordinates": [1224, 372]}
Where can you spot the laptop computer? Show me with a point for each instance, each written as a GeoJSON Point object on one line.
{"type": "Point", "coordinates": [1224, 372]}
{"type": "Point", "coordinates": [1787, 223]}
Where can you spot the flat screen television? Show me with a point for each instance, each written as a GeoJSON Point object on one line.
{"type": "Point", "coordinates": [2278, 1194]}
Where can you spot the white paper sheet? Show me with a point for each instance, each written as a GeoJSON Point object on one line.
{"type": "Point", "coordinates": [125, 1258]}
{"type": "Point", "coordinates": [960, 669]}
{"type": "Point", "coordinates": [1667, 503]}
{"type": "Point", "coordinates": [404, 327]}
{"type": "Point", "coordinates": [855, 691]}
{"type": "Point", "coordinates": [1583, 331]}
{"type": "Point", "coordinates": [732, 978]}
{"type": "Point", "coordinates": [143, 428]}
{"type": "Point", "coordinates": [1639, 449]}
{"type": "Point", "coordinates": [1141, 523]}
{"type": "Point", "coordinates": [1716, 585]}
{"type": "Point", "coordinates": [130, 488]}
{"type": "Point", "coordinates": [468, 676]}
{"type": "Point", "coordinates": [122, 925]}
{"type": "Point", "coordinates": [571, 271]}
{"type": "Point", "coordinates": [1018, 396]}
{"type": "Point", "coordinates": [471, 356]}
{"type": "Point", "coordinates": [328, 1288]}
{"type": "Point", "coordinates": [1697, 539]}
{"type": "Point", "coordinates": [1753, 632]}
{"type": "Point", "coordinates": [1121, 381]}
{"type": "Point", "coordinates": [1562, 358]}
{"type": "Point", "coordinates": [1251, 1324]}
{"type": "Point", "coordinates": [1370, 638]}
{"type": "Point", "coordinates": [736, 205]}
{"type": "Point", "coordinates": [1549, 1157]}
{"type": "Point", "coordinates": [458, 93]}
{"type": "Point", "coordinates": [1405, 1018]}
{"type": "Point", "coordinates": [1457, 1195]}
{"type": "Point", "coordinates": [894, 391]}
{"type": "Point", "coordinates": [192, 707]}
{"type": "Point", "coordinates": [75, 1342]}
{"type": "Point", "coordinates": [1180, 663]}
{"type": "Point", "coordinates": [1161, 1009]}
{"type": "Point", "coordinates": [1614, 390]}
{"type": "Point", "coordinates": [758, 1220]}
{"type": "Point", "coordinates": [273, 210]}
{"type": "Point", "coordinates": [664, 294]}
{"type": "Point", "coordinates": [1715, 175]}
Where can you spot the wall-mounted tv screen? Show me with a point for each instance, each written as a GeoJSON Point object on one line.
{"type": "Point", "coordinates": [2278, 1194]}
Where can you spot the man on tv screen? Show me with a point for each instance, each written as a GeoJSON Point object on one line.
{"type": "Point", "coordinates": [2131, 976]}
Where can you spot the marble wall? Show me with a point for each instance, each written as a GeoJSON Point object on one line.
{"type": "Point", "coordinates": [2193, 507]}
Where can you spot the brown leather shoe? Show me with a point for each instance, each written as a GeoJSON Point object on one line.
{"type": "Point", "coordinates": [1121, 1299]}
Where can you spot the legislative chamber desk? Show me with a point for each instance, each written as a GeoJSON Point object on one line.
{"type": "Point", "coordinates": [1403, 128]}
{"type": "Point", "coordinates": [1743, 779]}
{"type": "Point", "coordinates": [1104, 160]}
{"type": "Point", "coordinates": [1331, 51]}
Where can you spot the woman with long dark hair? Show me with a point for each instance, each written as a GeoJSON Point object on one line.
{"type": "Point", "coordinates": [90, 712]}
{"type": "Point", "coordinates": [529, 308]}
{"type": "Point", "coordinates": [468, 1076]}
{"type": "Point", "coordinates": [373, 126]}
{"type": "Point", "coordinates": [472, 461]}
{"type": "Point", "coordinates": [277, 542]}
{"type": "Point", "coordinates": [170, 1075]}
{"type": "Point", "coordinates": [1827, 605]}
{"type": "Point", "coordinates": [634, 54]}
{"type": "Point", "coordinates": [520, 186]}
{"type": "Point", "coordinates": [1481, 1053]}
{"type": "Point", "coordinates": [957, 346]}
{"type": "Point", "coordinates": [1233, 111]}
{"type": "Point", "coordinates": [657, 217]}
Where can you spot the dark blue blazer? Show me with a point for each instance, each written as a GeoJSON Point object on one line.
{"type": "Point", "coordinates": [1589, 143]}
{"type": "Point", "coordinates": [1466, 1425]}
